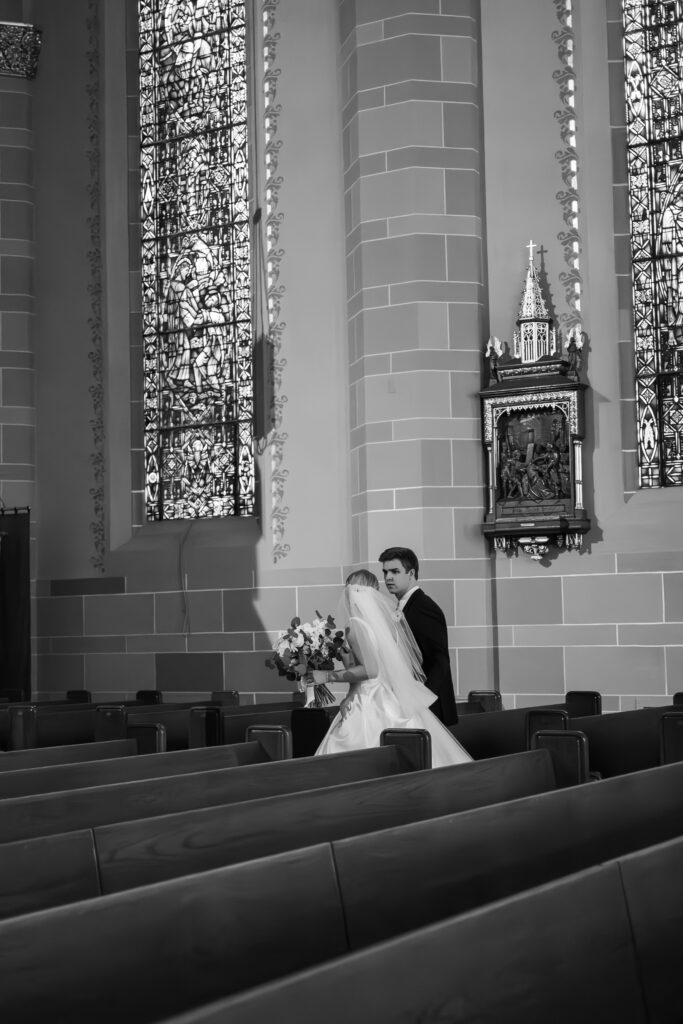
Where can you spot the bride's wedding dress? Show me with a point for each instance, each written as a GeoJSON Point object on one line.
{"type": "Point", "coordinates": [391, 697]}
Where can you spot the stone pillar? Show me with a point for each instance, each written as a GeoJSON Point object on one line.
{"type": "Point", "coordinates": [414, 206]}
{"type": "Point", "coordinates": [19, 46]}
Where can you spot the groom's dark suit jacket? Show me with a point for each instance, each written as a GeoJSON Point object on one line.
{"type": "Point", "coordinates": [428, 624]}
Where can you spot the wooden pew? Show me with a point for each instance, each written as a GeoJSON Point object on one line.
{"type": "Point", "coordinates": [599, 945]}
{"type": "Point", "coordinates": [185, 725]}
{"type": "Point", "coordinates": [496, 732]}
{"type": "Point", "coordinates": [454, 863]}
{"type": "Point", "coordinates": [132, 853]}
{"type": "Point", "coordinates": [449, 863]}
{"type": "Point", "coordinates": [49, 813]}
{"type": "Point", "coordinates": [308, 725]}
{"type": "Point", "coordinates": [194, 724]}
{"type": "Point", "coordinates": [6, 709]}
{"type": "Point", "coordinates": [620, 742]}
{"type": "Point", "coordinates": [625, 741]}
{"type": "Point", "coordinates": [562, 953]}
{"type": "Point", "coordinates": [267, 744]}
{"type": "Point", "coordinates": [33, 725]}
{"type": "Point", "coordinates": [141, 956]}
{"type": "Point", "coordinates": [73, 753]}
{"type": "Point", "coordinates": [566, 947]}
{"type": "Point", "coordinates": [59, 868]}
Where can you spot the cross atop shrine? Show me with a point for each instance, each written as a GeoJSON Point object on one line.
{"type": "Point", "coordinates": [531, 246]}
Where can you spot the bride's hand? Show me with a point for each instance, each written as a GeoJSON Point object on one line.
{"type": "Point", "coordinates": [345, 708]}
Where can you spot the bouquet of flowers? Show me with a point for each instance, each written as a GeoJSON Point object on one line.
{"type": "Point", "coordinates": [309, 647]}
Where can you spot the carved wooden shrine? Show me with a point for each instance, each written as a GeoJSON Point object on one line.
{"type": "Point", "coordinates": [533, 430]}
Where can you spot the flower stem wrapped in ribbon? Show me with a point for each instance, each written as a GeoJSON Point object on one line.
{"type": "Point", "coordinates": [307, 647]}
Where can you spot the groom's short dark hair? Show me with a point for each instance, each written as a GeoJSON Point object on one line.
{"type": "Point", "coordinates": [405, 556]}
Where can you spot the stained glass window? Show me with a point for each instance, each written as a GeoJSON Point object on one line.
{"type": "Point", "coordinates": [653, 36]}
{"type": "Point", "coordinates": [196, 259]}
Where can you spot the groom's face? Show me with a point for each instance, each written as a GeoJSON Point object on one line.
{"type": "Point", "coordinates": [397, 580]}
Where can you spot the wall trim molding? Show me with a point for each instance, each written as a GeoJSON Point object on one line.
{"type": "Point", "coordinates": [567, 157]}
{"type": "Point", "coordinates": [277, 439]}
{"type": "Point", "coordinates": [96, 353]}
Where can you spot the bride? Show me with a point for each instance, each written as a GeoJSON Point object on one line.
{"type": "Point", "coordinates": [385, 677]}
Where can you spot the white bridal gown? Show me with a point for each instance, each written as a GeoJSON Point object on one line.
{"type": "Point", "coordinates": [376, 706]}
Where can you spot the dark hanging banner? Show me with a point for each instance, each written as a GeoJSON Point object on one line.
{"type": "Point", "coordinates": [15, 619]}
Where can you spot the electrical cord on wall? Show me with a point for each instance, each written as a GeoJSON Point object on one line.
{"type": "Point", "coordinates": [187, 625]}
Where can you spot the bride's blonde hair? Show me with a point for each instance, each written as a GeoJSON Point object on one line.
{"type": "Point", "coordinates": [363, 578]}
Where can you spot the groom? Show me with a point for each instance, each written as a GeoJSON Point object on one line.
{"type": "Point", "coordinates": [400, 568]}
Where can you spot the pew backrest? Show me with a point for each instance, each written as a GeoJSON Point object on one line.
{"type": "Point", "coordinates": [615, 926]}
{"type": "Point", "coordinates": [138, 957]}
{"type": "Point", "coordinates": [600, 945]}
{"type": "Point", "coordinates": [133, 768]}
{"type": "Point", "coordinates": [548, 960]}
{"type": "Point", "coordinates": [71, 754]}
{"type": "Point", "coordinates": [623, 741]}
{"type": "Point", "coordinates": [495, 733]}
{"type": "Point", "coordinates": [49, 813]}
{"type": "Point", "coordinates": [529, 958]}
{"type": "Point", "coordinates": [132, 853]}
{"type": "Point", "coordinates": [456, 862]}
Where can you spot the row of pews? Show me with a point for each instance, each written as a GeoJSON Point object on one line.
{"type": "Point", "coordinates": [234, 882]}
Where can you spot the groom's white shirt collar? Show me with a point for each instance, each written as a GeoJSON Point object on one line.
{"type": "Point", "coordinates": [407, 596]}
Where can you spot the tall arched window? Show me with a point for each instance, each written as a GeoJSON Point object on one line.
{"type": "Point", "coordinates": [653, 35]}
{"type": "Point", "coordinates": [196, 259]}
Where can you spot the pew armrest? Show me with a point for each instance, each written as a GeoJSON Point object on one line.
{"type": "Point", "coordinates": [150, 738]}
{"type": "Point", "coordinates": [22, 727]}
{"type": "Point", "coordinates": [203, 727]}
{"type": "Point", "coordinates": [490, 700]}
{"type": "Point", "coordinates": [276, 740]}
{"type": "Point", "coordinates": [569, 751]}
{"type": "Point", "coordinates": [671, 737]}
{"type": "Point", "coordinates": [110, 722]}
{"type": "Point", "coordinates": [414, 745]}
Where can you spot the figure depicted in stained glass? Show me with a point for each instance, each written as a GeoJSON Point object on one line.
{"type": "Point", "coordinates": [670, 246]}
{"type": "Point", "coordinates": [196, 259]}
{"type": "Point", "coordinates": [653, 35]}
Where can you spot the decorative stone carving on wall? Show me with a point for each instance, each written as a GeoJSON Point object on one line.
{"type": "Point", "coordinates": [96, 354]}
{"type": "Point", "coordinates": [19, 49]}
{"type": "Point", "coordinates": [567, 157]}
{"type": "Point", "coordinates": [277, 438]}
{"type": "Point", "coordinates": [533, 429]}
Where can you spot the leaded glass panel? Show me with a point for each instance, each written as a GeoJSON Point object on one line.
{"type": "Point", "coordinates": [653, 44]}
{"type": "Point", "coordinates": [196, 259]}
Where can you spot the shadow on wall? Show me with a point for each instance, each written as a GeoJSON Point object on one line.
{"type": "Point", "coordinates": [178, 610]}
